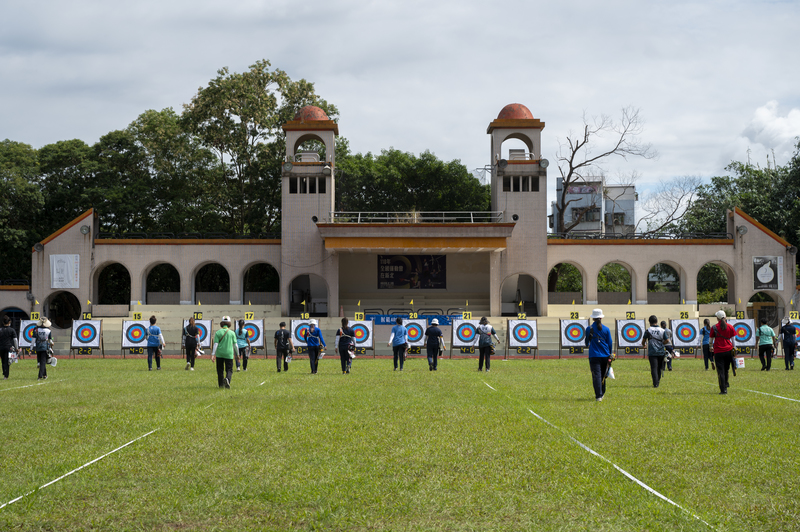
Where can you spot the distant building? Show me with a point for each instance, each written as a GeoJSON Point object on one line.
{"type": "Point", "coordinates": [601, 208]}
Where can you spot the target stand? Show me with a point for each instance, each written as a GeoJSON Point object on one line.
{"type": "Point", "coordinates": [522, 338]}
{"type": "Point", "coordinates": [630, 333]}
{"type": "Point", "coordinates": [87, 335]}
{"type": "Point", "coordinates": [573, 336]}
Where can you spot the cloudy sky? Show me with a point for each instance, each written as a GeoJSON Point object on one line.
{"type": "Point", "coordinates": [715, 80]}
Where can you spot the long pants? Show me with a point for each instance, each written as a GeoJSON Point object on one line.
{"type": "Point", "coordinates": [151, 352]}
{"type": "Point", "coordinates": [281, 357]}
{"type": "Point", "coordinates": [656, 368]}
{"type": "Point", "coordinates": [788, 354]}
{"type": "Point", "coordinates": [236, 356]}
{"type": "Point", "coordinates": [41, 358]}
{"type": "Point", "coordinates": [484, 355]}
{"type": "Point", "coordinates": [708, 356]}
{"type": "Point", "coordinates": [191, 350]}
{"type": "Point", "coordinates": [4, 357]}
{"type": "Point", "coordinates": [765, 355]}
{"type": "Point", "coordinates": [313, 357]}
{"type": "Point", "coordinates": [224, 370]}
{"type": "Point", "coordinates": [344, 358]}
{"type": "Point", "coordinates": [724, 361]}
{"type": "Point", "coordinates": [433, 356]}
{"type": "Point", "coordinates": [398, 351]}
{"type": "Point", "coordinates": [243, 356]}
{"type": "Point", "coordinates": [599, 366]}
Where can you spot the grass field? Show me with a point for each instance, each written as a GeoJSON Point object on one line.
{"type": "Point", "coordinates": [383, 450]}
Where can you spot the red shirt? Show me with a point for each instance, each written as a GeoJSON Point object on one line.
{"type": "Point", "coordinates": [722, 337]}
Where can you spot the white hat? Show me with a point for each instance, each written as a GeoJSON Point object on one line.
{"type": "Point", "coordinates": [720, 314]}
{"type": "Point", "coordinates": [44, 322]}
{"type": "Point", "coordinates": [786, 320]}
{"type": "Point", "coordinates": [226, 318]}
{"type": "Point", "coordinates": [597, 314]}
{"type": "Point", "coordinates": [312, 322]}
{"type": "Point", "coordinates": [434, 321]}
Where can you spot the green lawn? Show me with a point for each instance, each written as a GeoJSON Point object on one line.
{"type": "Point", "coordinates": [384, 450]}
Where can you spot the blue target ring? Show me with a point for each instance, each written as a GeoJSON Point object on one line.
{"type": "Point", "coordinates": [686, 332]}
{"type": "Point", "coordinates": [300, 332]}
{"type": "Point", "coordinates": [415, 332]}
{"type": "Point", "coordinates": [86, 333]}
{"type": "Point", "coordinates": [631, 332]}
{"type": "Point", "coordinates": [575, 332]}
{"type": "Point", "coordinates": [522, 333]}
{"type": "Point", "coordinates": [743, 332]}
{"type": "Point", "coordinates": [27, 333]}
{"type": "Point", "coordinates": [361, 333]}
{"type": "Point", "coordinates": [466, 332]}
{"type": "Point", "coordinates": [253, 334]}
{"type": "Point", "coordinates": [136, 333]}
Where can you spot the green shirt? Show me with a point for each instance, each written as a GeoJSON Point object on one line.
{"type": "Point", "coordinates": [765, 335]}
{"type": "Point", "coordinates": [226, 339]}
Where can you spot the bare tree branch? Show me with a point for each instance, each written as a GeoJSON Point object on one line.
{"type": "Point", "coordinates": [668, 203]}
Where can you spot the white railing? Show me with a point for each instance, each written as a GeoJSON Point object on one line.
{"type": "Point", "coordinates": [417, 217]}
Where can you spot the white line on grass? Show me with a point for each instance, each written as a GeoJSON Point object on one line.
{"type": "Point", "coordinates": [262, 383]}
{"type": "Point", "coordinates": [756, 391]}
{"type": "Point", "coordinates": [29, 385]}
{"type": "Point", "coordinates": [77, 469]}
{"type": "Point", "coordinates": [487, 384]}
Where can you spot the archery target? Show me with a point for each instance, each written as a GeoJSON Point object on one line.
{"type": "Point", "coordinates": [465, 333]}
{"type": "Point", "coordinates": [255, 332]}
{"type": "Point", "coordinates": [573, 333]}
{"type": "Point", "coordinates": [299, 330]}
{"type": "Point", "coordinates": [26, 328]}
{"type": "Point", "coordinates": [796, 324]}
{"type": "Point", "coordinates": [686, 333]}
{"type": "Point", "coordinates": [744, 332]}
{"type": "Point", "coordinates": [204, 326]}
{"type": "Point", "coordinates": [134, 334]}
{"type": "Point", "coordinates": [363, 330]}
{"type": "Point", "coordinates": [630, 333]}
{"type": "Point", "coordinates": [522, 333]}
{"type": "Point", "coordinates": [416, 332]}
{"type": "Point", "coordinates": [85, 333]}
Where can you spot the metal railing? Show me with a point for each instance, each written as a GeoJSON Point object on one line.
{"type": "Point", "coordinates": [587, 235]}
{"type": "Point", "coordinates": [417, 217]}
{"type": "Point", "coordinates": [191, 236]}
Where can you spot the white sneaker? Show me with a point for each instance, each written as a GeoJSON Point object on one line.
{"type": "Point", "coordinates": [188, 365]}
{"type": "Point", "coordinates": [192, 369]}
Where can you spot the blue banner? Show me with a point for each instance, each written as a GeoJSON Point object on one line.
{"type": "Point", "coordinates": [389, 319]}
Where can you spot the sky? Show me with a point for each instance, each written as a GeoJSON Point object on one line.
{"type": "Point", "coordinates": [715, 81]}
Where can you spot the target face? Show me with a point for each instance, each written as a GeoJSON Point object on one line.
{"type": "Point", "coordinates": [134, 333]}
{"type": "Point", "coordinates": [203, 328]}
{"type": "Point", "coordinates": [744, 333]}
{"type": "Point", "coordinates": [363, 333]}
{"type": "Point", "coordinates": [416, 332]}
{"type": "Point", "coordinates": [85, 333]}
{"type": "Point", "coordinates": [796, 324]}
{"type": "Point", "coordinates": [522, 333]}
{"type": "Point", "coordinates": [26, 334]}
{"type": "Point", "coordinates": [299, 330]}
{"type": "Point", "coordinates": [255, 332]}
{"type": "Point", "coordinates": [465, 333]}
{"type": "Point", "coordinates": [573, 333]}
{"type": "Point", "coordinates": [630, 333]}
{"type": "Point", "coordinates": [686, 333]}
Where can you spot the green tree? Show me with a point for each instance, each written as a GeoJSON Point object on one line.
{"type": "Point", "coordinates": [613, 278]}
{"type": "Point", "coordinates": [239, 116]}
{"type": "Point", "coordinates": [65, 168]}
{"type": "Point", "coordinates": [565, 278]}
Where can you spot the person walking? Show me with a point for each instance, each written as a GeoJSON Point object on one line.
{"type": "Point", "coordinates": [316, 344]}
{"type": "Point", "coordinates": [155, 343]}
{"type": "Point", "coordinates": [345, 339]}
{"type": "Point", "coordinates": [243, 344]}
{"type": "Point", "coordinates": [434, 344]}
{"type": "Point", "coordinates": [222, 353]}
{"type": "Point", "coordinates": [398, 342]}
{"type": "Point", "coordinates": [766, 344]}
{"type": "Point", "coordinates": [598, 339]}
{"type": "Point", "coordinates": [723, 334]}
{"type": "Point", "coordinates": [670, 351]}
{"type": "Point", "coordinates": [789, 341]}
{"type": "Point", "coordinates": [485, 347]}
{"type": "Point", "coordinates": [283, 346]}
{"type": "Point", "coordinates": [708, 354]}
{"type": "Point", "coordinates": [43, 337]}
{"type": "Point", "coordinates": [191, 334]}
{"type": "Point", "coordinates": [8, 343]}
{"type": "Point", "coordinates": [654, 339]}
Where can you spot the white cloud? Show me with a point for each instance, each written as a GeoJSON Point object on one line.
{"type": "Point", "coordinates": [772, 131]}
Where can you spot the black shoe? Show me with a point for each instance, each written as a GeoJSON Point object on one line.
{"type": "Point", "coordinates": [723, 393]}
{"type": "Point", "coordinates": [763, 368]}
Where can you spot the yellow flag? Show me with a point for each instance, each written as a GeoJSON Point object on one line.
{"type": "Point", "coordinates": [467, 300]}
{"type": "Point", "coordinates": [412, 301]}
{"type": "Point", "coordinates": [573, 301]}
{"type": "Point", "coordinates": [88, 302]}
{"type": "Point", "coordinates": [249, 303]}
{"type": "Point", "coordinates": [37, 301]}
{"type": "Point", "coordinates": [683, 301]}
{"type": "Point", "coordinates": [199, 304]}
{"type": "Point", "coordinates": [359, 303]}
{"type": "Point", "coordinates": [138, 302]}
{"type": "Point", "coordinates": [791, 301]}
{"type": "Point", "coordinates": [629, 301]}
{"type": "Point", "coordinates": [303, 302]}
{"type": "Point", "coordinates": [740, 300]}
{"type": "Point", "coordinates": [519, 304]}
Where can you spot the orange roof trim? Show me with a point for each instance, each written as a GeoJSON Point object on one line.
{"type": "Point", "coordinates": [68, 226]}
{"type": "Point", "coordinates": [761, 226]}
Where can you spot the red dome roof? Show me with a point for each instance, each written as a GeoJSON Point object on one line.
{"type": "Point", "coordinates": [515, 111]}
{"type": "Point", "coordinates": [309, 113]}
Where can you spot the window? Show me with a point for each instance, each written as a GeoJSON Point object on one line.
{"type": "Point", "coordinates": [592, 215]}
{"type": "Point", "coordinates": [506, 184]}
{"type": "Point", "coordinates": [312, 185]}
{"type": "Point", "coordinates": [292, 185]}
{"type": "Point", "coordinates": [321, 185]}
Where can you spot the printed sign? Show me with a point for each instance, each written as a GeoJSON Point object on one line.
{"type": "Point", "coordinates": [768, 273]}
{"type": "Point", "coordinates": [423, 272]}
{"type": "Point", "coordinates": [65, 271]}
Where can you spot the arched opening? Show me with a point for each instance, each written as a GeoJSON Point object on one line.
{"type": "Point", "coordinates": [262, 285]}
{"type": "Point", "coordinates": [564, 285]}
{"type": "Point", "coordinates": [163, 285]}
{"type": "Point", "coordinates": [712, 285]}
{"type": "Point", "coordinates": [306, 146]}
{"type": "Point", "coordinates": [614, 285]}
{"type": "Point", "coordinates": [311, 289]}
{"type": "Point", "coordinates": [16, 315]}
{"type": "Point", "coordinates": [114, 285]}
{"type": "Point", "coordinates": [61, 308]}
{"type": "Point", "coordinates": [764, 305]}
{"type": "Point", "coordinates": [212, 285]}
{"type": "Point", "coordinates": [663, 285]}
{"type": "Point", "coordinates": [516, 289]}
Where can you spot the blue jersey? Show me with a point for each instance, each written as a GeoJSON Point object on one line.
{"type": "Point", "coordinates": [400, 335]}
{"type": "Point", "coordinates": [152, 336]}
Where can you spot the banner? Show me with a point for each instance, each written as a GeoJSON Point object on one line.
{"type": "Point", "coordinates": [26, 338]}
{"type": "Point", "coordinates": [134, 333]}
{"type": "Point", "coordinates": [686, 333]}
{"type": "Point", "coordinates": [523, 333]}
{"type": "Point", "coordinates": [299, 328]}
{"type": "Point", "coordinates": [416, 332]}
{"type": "Point", "coordinates": [745, 332]}
{"type": "Point", "coordinates": [465, 333]}
{"type": "Point", "coordinates": [630, 333]}
{"type": "Point", "coordinates": [424, 272]}
{"type": "Point", "coordinates": [768, 273]}
{"type": "Point", "coordinates": [573, 333]}
{"type": "Point", "coordinates": [85, 333]}
{"type": "Point", "coordinates": [65, 271]}
{"type": "Point", "coordinates": [363, 330]}
{"type": "Point", "coordinates": [204, 326]}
